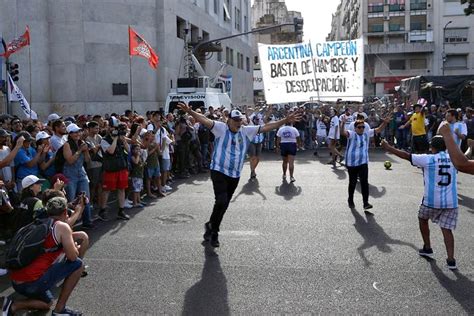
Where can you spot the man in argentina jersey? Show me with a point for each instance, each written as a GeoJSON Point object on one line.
{"type": "Point", "coordinates": [357, 157]}
{"type": "Point", "coordinates": [458, 129]}
{"type": "Point", "coordinates": [440, 200]}
{"type": "Point", "coordinates": [230, 146]}
{"type": "Point", "coordinates": [459, 160]}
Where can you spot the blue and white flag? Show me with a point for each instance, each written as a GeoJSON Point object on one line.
{"type": "Point", "coordinates": [15, 94]}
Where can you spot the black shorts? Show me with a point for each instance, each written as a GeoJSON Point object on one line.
{"type": "Point", "coordinates": [419, 144]}
{"type": "Point", "coordinates": [288, 149]}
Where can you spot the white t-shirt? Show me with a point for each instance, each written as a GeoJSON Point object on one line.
{"type": "Point", "coordinates": [166, 150]}
{"type": "Point", "coordinates": [288, 134]}
{"type": "Point", "coordinates": [462, 128]}
{"type": "Point", "coordinates": [334, 130]}
{"type": "Point", "coordinates": [349, 120]}
{"type": "Point", "coordinates": [321, 128]}
{"type": "Point", "coordinates": [6, 172]}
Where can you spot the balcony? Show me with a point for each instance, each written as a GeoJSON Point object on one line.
{"type": "Point", "coordinates": [420, 36]}
{"type": "Point", "coordinates": [401, 48]}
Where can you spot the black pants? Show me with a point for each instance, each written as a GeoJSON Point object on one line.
{"type": "Point", "coordinates": [362, 173]}
{"type": "Point", "coordinates": [183, 156]}
{"type": "Point", "coordinates": [224, 188]}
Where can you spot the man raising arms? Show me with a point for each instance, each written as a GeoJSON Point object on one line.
{"type": "Point", "coordinates": [230, 145]}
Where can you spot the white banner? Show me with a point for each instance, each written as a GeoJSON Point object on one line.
{"type": "Point", "coordinates": [15, 94]}
{"type": "Point", "coordinates": [326, 71]}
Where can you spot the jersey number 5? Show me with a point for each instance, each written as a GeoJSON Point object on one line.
{"type": "Point", "coordinates": [444, 172]}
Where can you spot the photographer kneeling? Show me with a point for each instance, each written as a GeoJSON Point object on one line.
{"type": "Point", "coordinates": [115, 164]}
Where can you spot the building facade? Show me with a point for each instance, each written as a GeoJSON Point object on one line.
{"type": "Point", "coordinates": [267, 13]}
{"type": "Point", "coordinates": [405, 38]}
{"type": "Point", "coordinates": [79, 50]}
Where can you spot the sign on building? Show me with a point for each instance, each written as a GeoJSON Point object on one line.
{"type": "Point", "coordinates": [326, 71]}
{"type": "Point", "coordinates": [257, 80]}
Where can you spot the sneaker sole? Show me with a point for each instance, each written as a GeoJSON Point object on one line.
{"type": "Point", "coordinates": [426, 255]}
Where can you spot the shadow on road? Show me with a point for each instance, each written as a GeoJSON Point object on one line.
{"type": "Point", "coordinates": [461, 289]}
{"type": "Point", "coordinates": [288, 190]}
{"type": "Point", "coordinates": [374, 236]}
{"type": "Point", "coordinates": [209, 295]}
{"type": "Point", "coordinates": [467, 202]}
{"type": "Point", "coordinates": [252, 186]}
{"type": "Point", "coordinates": [374, 191]}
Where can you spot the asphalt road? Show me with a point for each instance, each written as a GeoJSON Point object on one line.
{"type": "Point", "coordinates": [293, 249]}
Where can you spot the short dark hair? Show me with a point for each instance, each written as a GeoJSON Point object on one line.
{"type": "Point", "coordinates": [359, 122]}
{"type": "Point", "coordinates": [437, 142]}
{"type": "Point", "coordinates": [56, 206]}
{"type": "Point", "coordinates": [453, 112]}
{"type": "Point", "coordinates": [92, 124]}
{"type": "Point", "coordinates": [56, 124]}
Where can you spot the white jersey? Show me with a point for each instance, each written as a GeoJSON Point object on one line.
{"type": "Point", "coordinates": [334, 130]}
{"type": "Point", "coordinates": [321, 128]}
{"type": "Point", "coordinates": [288, 134]}
{"type": "Point", "coordinates": [357, 151]}
{"type": "Point", "coordinates": [440, 180]}
{"type": "Point", "coordinates": [462, 128]}
{"type": "Point", "coordinates": [230, 148]}
{"type": "Point", "coordinates": [349, 120]}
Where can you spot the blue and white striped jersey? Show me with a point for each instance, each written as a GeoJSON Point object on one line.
{"type": "Point", "coordinates": [462, 128]}
{"type": "Point", "coordinates": [357, 151]}
{"type": "Point", "coordinates": [230, 148]}
{"type": "Point", "coordinates": [440, 180]}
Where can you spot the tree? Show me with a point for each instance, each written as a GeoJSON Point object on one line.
{"type": "Point", "coordinates": [470, 8]}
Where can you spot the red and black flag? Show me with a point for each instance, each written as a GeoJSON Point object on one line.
{"type": "Point", "coordinates": [139, 47]}
{"type": "Point", "coordinates": [17, 43]}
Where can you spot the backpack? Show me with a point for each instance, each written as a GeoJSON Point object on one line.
{"type": "Point", "coordinates": [27, 244]}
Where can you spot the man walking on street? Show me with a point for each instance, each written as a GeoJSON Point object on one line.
{"type": "Point", "coordinates": [231, 143]}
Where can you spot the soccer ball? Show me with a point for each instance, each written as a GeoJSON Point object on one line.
{"type": "Point", "coordinates": [387, 164]}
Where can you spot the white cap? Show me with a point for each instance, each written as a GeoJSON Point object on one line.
{"type": "Point", "coordinates": [53, 117]}
{"type": "Point", "coordinates": [72, 128]}
{"type": "Point", "coordinates": [236, 114]}
{"type": "Point", "coordinates": [30, 180]}
{"type": "Point", "coordinates": [42, 135]}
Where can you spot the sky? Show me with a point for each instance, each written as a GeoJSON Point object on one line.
{"type": "Point", "coordinates": [317, 15]}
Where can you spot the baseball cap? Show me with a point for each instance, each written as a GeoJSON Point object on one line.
{"type": "Point", "coordinates": [236, 115]}
{"type": "Point", "coordinates": [56, 205]}
{"type": "Point", "coordinates": [42, 135]}
{"type": "Point", "coordinates": [4, 133]}
{"type": "Point", "coordinates": [53, 117]}
{"type": "Point", "coordinates": [72, 128]}
{"type": "Point", "coordinates": [30, 180]}
{"type": "Point", "coordinates": [26, 136]}
{"type": "Point", "coordinates": [114, 122]}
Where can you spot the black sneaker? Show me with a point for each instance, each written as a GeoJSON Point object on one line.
{"type": "Point", "coordinates": [122, 215]}
{"type": "Point", "coordinates": [351, 203]}
{"type": "Point", "coordinates": [103, 216]}
{"type": "Point", "coordinates": [451, 264]}
{"type": "Point", "coordinates": [66, 312]}
{"type": "Point", "coordinates": [88, 226]}
{"type": "Point", "coordinates": [207, 232]}
{"type": "Point", "coordinates": [426, 252]}
{"type": "Point", "coordinates": [215, 240]}
{"type": "Point", "coordinates": [368, 206]}
{"type": "Point", "coordinates": [341, 159]}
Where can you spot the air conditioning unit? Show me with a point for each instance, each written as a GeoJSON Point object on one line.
{"type": "Point", "coordinates": [203, 82]}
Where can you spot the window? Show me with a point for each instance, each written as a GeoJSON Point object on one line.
{"type": "Point", "coordinates": [375, 28]}
{"type": "Point", "coordinates": [418, 63]}
{"type": "Point", "coordinates": [180, 26]}
{"type": "Point", "coordinates": [216, 6]}
{"type": "Point", "coordinates": [119, 88]}
{"type": "Point", "coordinates": [396, 27]}
{"type": "Point", "coordinates": [240, 61]}
{"type": "Point", "coordinates": [246, 24]}
{"type": "Point", "coordinates": [219, 56]}
{"type": "Point", "coordinates": [373, 8]}
{"type": "Point", "coordinates": [247, 64]}
{"type": "Point", "coordinates": [255, 60]}
{"type": "Point", "coordinates": [456, 61]}
{"type": "Point", "coordinates": [397, 64]}
{"type": "Point", "coordinates": [226, 13]}
{"type": "Point", "coordinates": [417, 26]}
{"type": "Point", "coordinates": [229, 56]}
{"type": "Point", "coordinates": [206, 6]}
{"type": "Point", "coordinates": [418, 4]}
{"type": "Point", "coordinates": [456, 35]}
{"type": "Point", "coordinates": [238, 19]}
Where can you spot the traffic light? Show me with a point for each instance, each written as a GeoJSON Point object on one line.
{"type": "Point", "coordinates": [13, 70]}
{"type": "Point", "coordinates": [298, 26]}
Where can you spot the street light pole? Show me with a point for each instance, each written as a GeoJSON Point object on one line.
{"type": "Point", "coordinates": [444, 44]}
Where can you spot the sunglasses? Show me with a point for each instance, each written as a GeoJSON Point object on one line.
{"type": "Point", "coordinates": [361, 127]}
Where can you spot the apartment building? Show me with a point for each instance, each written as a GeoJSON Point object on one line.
{"type": "Point", "coordinates": [405, 38]}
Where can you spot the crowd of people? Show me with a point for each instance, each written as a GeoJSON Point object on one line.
{"type": "Point", "coordinates": [65, 168]}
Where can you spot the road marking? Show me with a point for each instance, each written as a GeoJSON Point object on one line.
{"type": "Point", "coordinates": [376, 287]}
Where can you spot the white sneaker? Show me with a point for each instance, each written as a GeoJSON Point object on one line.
{"type": "Point", "coordinates": [3, 272]}
{"type": "Point", "coordinates": [167, 188]}
{"type": "Point", "coordinates": [128, 204]}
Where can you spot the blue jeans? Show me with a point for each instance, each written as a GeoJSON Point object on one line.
{"type": "Point", "coordinates": [401, 138]}
{"type": "Point", "coordinates": [271, 140]}
{"type": "Point", "coordinates": [40, 289]}
{"type": "Point", "coordinates": [73, 188]}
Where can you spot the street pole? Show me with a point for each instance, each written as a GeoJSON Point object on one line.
{"type": "Point", "coordinates": [131, 85]}
{"type": "Point", "coordinates": [444, 45]}
{"type": "Point", "coordinates": [29, 64]}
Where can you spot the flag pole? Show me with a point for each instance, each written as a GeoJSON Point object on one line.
{"type": "Point", "coordinates": [130, 63]}
{"type": "Point", "coordinates": [29, 62]}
